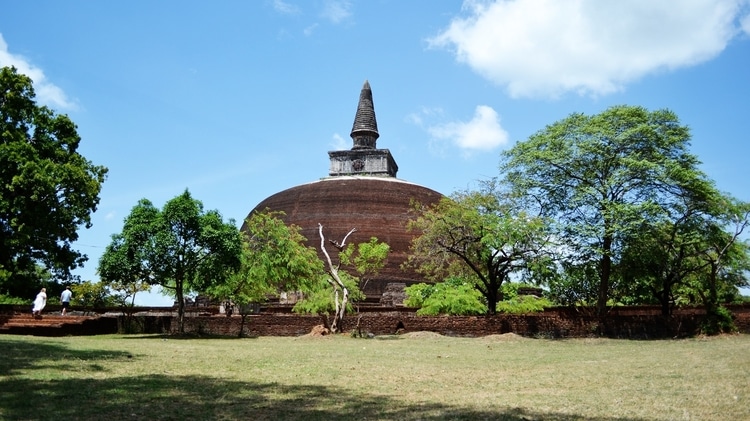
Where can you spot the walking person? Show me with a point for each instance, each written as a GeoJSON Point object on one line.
{"type": "Point", "coordinates": [39, 302]}
{"type": "Point", "coordinates": [65, 299]}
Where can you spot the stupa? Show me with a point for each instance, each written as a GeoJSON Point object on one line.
{"type": "Point", "coordinates": [362, 192]}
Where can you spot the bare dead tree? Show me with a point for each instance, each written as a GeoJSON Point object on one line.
{"type": "Point", "coordinates": [340, 291]}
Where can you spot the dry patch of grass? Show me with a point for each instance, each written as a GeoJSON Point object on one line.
{"type": "Point", "coordinates": [420, 375]}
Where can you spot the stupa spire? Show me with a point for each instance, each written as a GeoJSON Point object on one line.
{"type": "Point", "coordinates": [365, 129]}
{"type": "Point", "coordinates": [364, 158]}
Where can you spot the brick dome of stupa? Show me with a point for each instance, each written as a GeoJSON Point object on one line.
{"type": "Point", "coordinates": [361, 192]}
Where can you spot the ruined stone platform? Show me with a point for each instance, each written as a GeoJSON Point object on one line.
{"type": "Point", "coordinates": [54, 324]}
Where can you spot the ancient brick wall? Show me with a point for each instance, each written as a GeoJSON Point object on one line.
{"type": "Point", "coordinates": [625, 322]}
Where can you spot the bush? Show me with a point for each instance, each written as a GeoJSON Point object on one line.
{"type": "Point", "coordinates": [719, 321]}
{"type": "Point", "coordinates": [452, 297]}
{"type": "Point", "coordinates": [6, 299]}
{"type": "Point", "coordinates": [523, 304]}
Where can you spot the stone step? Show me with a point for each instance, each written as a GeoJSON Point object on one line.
{"type": "Point", "coordinates": [28, 320]}
{"type": "Point", "coordinates": [56, 325]}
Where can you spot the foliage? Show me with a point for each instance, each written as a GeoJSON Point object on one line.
{"type": "Point", "coordinates": [601, 178]}
{"type": "Point", "coordinates": [321, 298]}
{"type": "Point", "coordinates": [510, 289]}
{"type": "Point", "coordinates": [274, 259]}
{"type": "Point", "coordinates": [339, 288]}
{"type": "Point", "coordinates": [27, 283]}
{"type": "Point", "coordinates": [47, 189]}
{"type": "Point", "coordinates": [92, 295]}
{"type": "Point", "coordinates": [455, 296]}
{"type": "Point", "coordinates": [719, 321]}
{"type": "Point", "coordinates": [125, 292]}
{"type": "Point", "coordinates": [478, 235]}
{"type": "Point", "coordinates": [515, 303]}
{"type": "Point", "coordinates": [6, 299]}
{"type": "Point", "coordinates": [523, 304]}
{"type": "Point", "coordinates": [367, 259]}
{"type": "Point", "coordinates": [690, 251]}
{"type": "Point", "coordinates": [182, 248]}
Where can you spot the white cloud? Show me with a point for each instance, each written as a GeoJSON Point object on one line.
{"type": "Point", "coordinates": [47, 93]}
{"type": "Point", "coordinates": [338, 143]}
{"type": "Point", "coordinates": [336, 10]}
{"type": "Point", "coordinates": [425, 112]}
{"type": "Point", "coordinates": [285, 8]}
{"type": "Point", "coordinates": [546, 48]}
{"type": "Point", "coordinates": [310, 29]}
{"type": "Point", "coordinates": [482, 133]}
{"type": "Point", "coordinates": [745, 24]}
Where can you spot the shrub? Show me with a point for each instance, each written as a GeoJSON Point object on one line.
{"type": "Point", "coordinates": [523, 304]}
{"type": "Point", "coordinates": [6, 299]}
{"type": "Point", "coordinates": [452, 297]}
{"type": "Point", "coordinates": [719, 321]}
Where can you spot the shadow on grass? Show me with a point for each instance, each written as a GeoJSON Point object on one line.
{"type": "Point", "coordinates": [191, 336]}
{"type": "Point", "coordinates": [20, 355]}
{"type": "Point", "coordinates": [93, 396]}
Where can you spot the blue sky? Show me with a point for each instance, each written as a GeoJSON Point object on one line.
{"type": "Point", "coordinates": [237, 100]}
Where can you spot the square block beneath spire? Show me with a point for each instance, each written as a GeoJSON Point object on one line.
{"type": "Point", "coordinates": [362, 162]}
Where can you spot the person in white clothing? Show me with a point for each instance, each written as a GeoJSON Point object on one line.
{"type": "Point", "coordinates": [39, 302]}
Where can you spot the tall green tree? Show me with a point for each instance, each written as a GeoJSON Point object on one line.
{"type": "Point", "coordinates": [665, 257]}
{"type": "Point", "coordinates": [479, 235]}
{"type": "Point", "coordinates": [599, 177]}
{"type": "Point", "coordinates": [274, 260]}
{"type": "Point", "coordinates": [181, 248]}
{"type": "Point", "coordinates": [727, 260]}
{"type": "Point", "coordinates": [48, 190]}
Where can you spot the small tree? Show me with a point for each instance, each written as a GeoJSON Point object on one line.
{"type": "Point", "coordinates": [728, 261]}
{"type": "Point", "coordinates": [181, 248]}
{"type": "Point", "coordinates": [274, 260]}
{"type": "Point", "coordinates": [483, 233]}
{"type": "Point", "coordinates": [455, 297]}
{"type": "Point", "coordinates": [367, 259]}
{"type": "Point", "coordinates": [340, 288]}
{"type": "Point", "coordinates": [91, 295]}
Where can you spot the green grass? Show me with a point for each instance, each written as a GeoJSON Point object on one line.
{"type": "Point", "coordinates": [422, 377]}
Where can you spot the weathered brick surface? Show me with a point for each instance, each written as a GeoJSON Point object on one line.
{"type": "Point", "coordinates": [626, 322]}
{"type": "Point", "coordinates": [56, 325]}
{"type": "Point", "coordinates": [375, 206]}
{"type": "Point", "coordinates": [640, 322]}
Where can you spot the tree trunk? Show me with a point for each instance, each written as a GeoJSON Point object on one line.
{"type": "Point", "coordinates": [341, 299]}
{"type": "Point", "coordinates": [242, 325]}
{"type": "Point", "coordinates": [666, 308]}
{"type": "Point", "coordinates": [179, 294]}
{"type": "Point", "coordinates": [338, 285]}
{"type": "Point", "coordinates": [493, 292]}
{"type": "Point", "coordinates": [604, 275]}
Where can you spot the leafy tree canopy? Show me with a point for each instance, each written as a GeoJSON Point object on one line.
{"type": "Point", "coordinates": [182, 248]}
{"type": "Point", "coordinates": [274, 260]}
{"type": "Point", "coordinates": [339, 288]}
{"type": "Point", "coordinates": [479, 235]}
{"type": "Point", "coordinates": [600, 177]}
{"type": "Point", "coordinates": [47, 189]}
{"type": "Point", "coordinates": [454, 296]}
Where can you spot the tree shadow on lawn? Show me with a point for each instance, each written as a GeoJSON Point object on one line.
{"type": "Point", "coordinates": [164, 397]}
{"type": "Point", "coordinates": [18, 355]}
{"type": "Point", "coordinates": [160, 397]}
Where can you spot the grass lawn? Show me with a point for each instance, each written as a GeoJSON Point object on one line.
{"type": "Point", "coordinates": [410, 377]}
